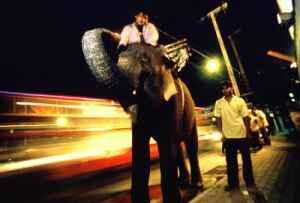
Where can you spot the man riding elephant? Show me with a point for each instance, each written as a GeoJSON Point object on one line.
{"type": "Point", "coordinates": [140, 31]}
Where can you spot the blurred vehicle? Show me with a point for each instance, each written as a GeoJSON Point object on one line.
{"type": "Point", "coordinates": [70, 136]}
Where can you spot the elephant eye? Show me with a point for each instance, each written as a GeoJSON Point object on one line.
{"type": "Point", "coordinates": [145, 60]}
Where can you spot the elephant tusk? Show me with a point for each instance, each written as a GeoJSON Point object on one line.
{"type": "Point", "coordinates": [122, 61]}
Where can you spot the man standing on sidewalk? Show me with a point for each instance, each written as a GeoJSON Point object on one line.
{"type": "Point", "coordinates": [231, 113]}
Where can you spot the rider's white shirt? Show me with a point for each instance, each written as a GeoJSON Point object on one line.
{"type": "Point", "coordinates": [130, 34]}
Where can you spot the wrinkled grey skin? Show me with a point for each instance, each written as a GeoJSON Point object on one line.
{"type": "Point", "coordinates": [99, 50]}
{"type": "Point", "coordinates": [166, 113]}
{"type": "Point", "coordinates": [146, 63]}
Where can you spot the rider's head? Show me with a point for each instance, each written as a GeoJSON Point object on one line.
{"type": "Point", "coordinates": [140, 18]}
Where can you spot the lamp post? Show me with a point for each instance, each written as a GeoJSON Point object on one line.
{"type": "Point", "coordinates": [297, 33]}
{"type": "Point", "coordinates": [212, 15]}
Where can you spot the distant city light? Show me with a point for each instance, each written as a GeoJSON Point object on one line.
{"type": "Point", "coordinates": [279, 20]}
{"type": "Point", "coordinates": [291, 94]}
{"type": "Point", "coordinates": [293, 65]}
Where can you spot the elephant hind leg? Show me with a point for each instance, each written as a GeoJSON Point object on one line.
{"type": "Point", "coordinates": [192, 151]}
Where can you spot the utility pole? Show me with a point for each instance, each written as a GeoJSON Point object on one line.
{"type": "Point", "coordinates": [297, 33]}
{"type": "Point", "coordinates": [242, 70]}
{"type": "Point", "coordinates": [212, 15]}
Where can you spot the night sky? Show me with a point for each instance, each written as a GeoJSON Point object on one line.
{"type": "Point", "coordinates": [40, 44]}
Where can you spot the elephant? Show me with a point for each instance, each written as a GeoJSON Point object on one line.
{"type": "Point", "coordinates": [165, 111]}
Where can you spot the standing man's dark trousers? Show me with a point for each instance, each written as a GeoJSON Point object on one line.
{"type": "Point", "coordinates": [231, 148]}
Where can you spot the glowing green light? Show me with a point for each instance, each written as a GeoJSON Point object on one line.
{"type": "Point", "coordinates": [212, 66]}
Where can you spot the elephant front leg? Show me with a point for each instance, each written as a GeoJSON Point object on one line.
{"type": "Point", "coordinates": [140, 165]}
{"type": "Point", "coordinates": [168, 167]}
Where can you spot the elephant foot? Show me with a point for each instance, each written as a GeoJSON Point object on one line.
{"type": "Point", "coordinates": [183, 182]}
{"type": "Point", "coordinates": [197, 186]}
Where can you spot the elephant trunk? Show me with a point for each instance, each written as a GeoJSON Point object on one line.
{"type": "Point", "coordinates": [99, 48]}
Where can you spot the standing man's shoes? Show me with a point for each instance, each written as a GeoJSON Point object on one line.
{"type": "Point", "coordinates": [251, 187]}
{"type": "Point", "coordinates": [229, 188]}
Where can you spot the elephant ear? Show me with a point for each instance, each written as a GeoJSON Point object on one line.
{"type": "Point", "coordinates": [169, 88]}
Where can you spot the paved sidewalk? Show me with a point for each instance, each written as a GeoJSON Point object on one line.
{"type": "Point", "coordinates": [276, 170]}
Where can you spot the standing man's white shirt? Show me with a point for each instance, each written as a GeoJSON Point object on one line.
{"type": "Point", "coordinates": [130, 34]}
{"type": "Point", "coordinates": [232, 114]}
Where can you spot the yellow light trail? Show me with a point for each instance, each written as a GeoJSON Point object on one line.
{"type": "Point", "coordinates": [104, 146]}
{"type": "Point", "coordinates": [26, 125]}
{"type": "Point", "coordinates": [88, 110]}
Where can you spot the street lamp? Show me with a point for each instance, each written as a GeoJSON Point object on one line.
{"type": "Point", "coordinates": [212, 65]}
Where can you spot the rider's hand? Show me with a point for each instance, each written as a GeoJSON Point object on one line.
{"type": "Point", "coordinates": [121, 48]}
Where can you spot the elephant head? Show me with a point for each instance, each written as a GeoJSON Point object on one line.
{"type": "Point", "coordinates": [141, 68]}
{"type": "Point", "coordinates": [149, 71]}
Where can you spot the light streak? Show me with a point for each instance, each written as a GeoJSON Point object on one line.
{"type": "Point", "coordinates": [87, 110]}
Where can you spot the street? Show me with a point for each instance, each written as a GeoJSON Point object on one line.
{"type": "Point", "coordinates": [275, 170]}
